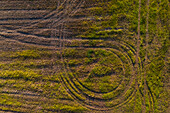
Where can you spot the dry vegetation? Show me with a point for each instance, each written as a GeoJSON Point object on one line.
{"type": "Point", "coordinates": [101, 56]}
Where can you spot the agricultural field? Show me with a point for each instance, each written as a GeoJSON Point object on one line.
{"type": "Point", "coordinates": [84, 56]}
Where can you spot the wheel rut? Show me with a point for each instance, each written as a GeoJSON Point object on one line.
{"type": "Point", "coordinates": [47, 28]}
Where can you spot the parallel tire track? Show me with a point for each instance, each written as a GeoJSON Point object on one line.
{"type": "Point", "coordinates": [56, 21]}
{"type": "Point", "coordinates": [72, 84]}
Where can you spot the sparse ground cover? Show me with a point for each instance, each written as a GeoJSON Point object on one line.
{"type": "Point", "coordinates": [84, 56]}
{"type": "Point", "coordinates": [32, 82]}
{"type": "Point", "coordinates": [29, 83]}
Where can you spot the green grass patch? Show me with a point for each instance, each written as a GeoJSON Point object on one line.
{"type": "Point", "coordinates": [67, 108]}
{"type": "Point", "coordinates": [20, 74]}
{"type": "Point", "coordinates": [100, 71]}
{"type": "Point", "coordinates": [31, 54]}
{"type": "Point", "coordinates": [7, 100]}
